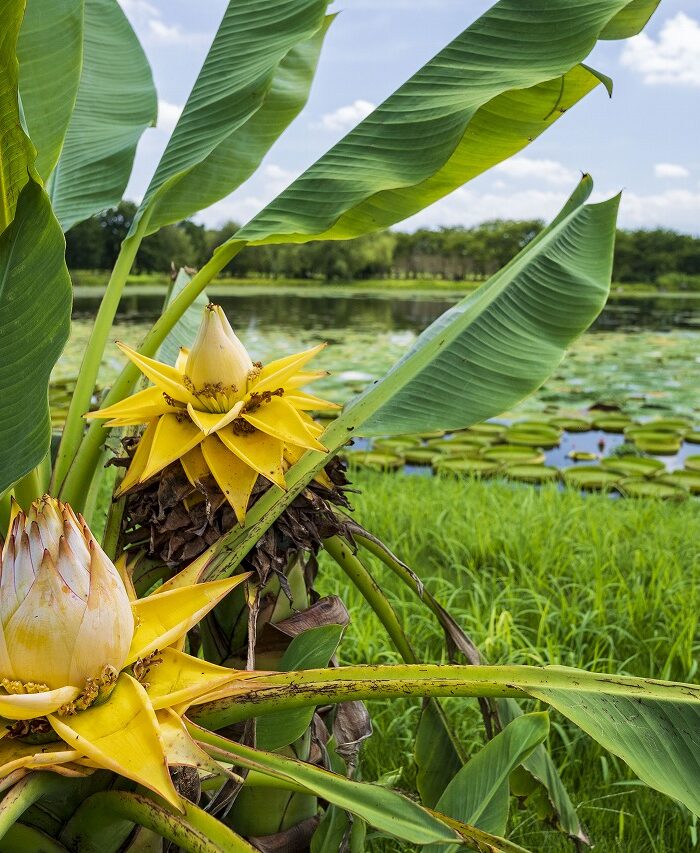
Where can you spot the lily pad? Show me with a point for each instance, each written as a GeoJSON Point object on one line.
{"type": "Point", "coordinates": [513, 454]}
{"type": "Point", "coordinates": [658, 443]}
{"type": "Point", "coordinates": [689, 480]}
{"type": "Point", "coordinates": [590, 477]}
{"type": "Point", "coordinates": [612, 423]}
{"type": "Point", "coordinates": [488, 428]}
{"type": "Point", "coordinates": [467, 467]}
{"type": "Point", "coordinates": [693, 437]}
{"type": "Point", "coordinates": [532, 473]}
{"type": "Point", "coordinates": [395, 445]}
{"type": "Point", "coordinates": [583, 455]}
{"type": "Point", "coordinates": [676, 424]}
{"type": "Point", "coordinates": [470, 438]}
{"type": "Point", "coordinates": [652, 489]}
{"type": "Point", "coordinates": [633, 466]}
{"type": "Point", "coordinates": [375, 460]}
{"type": "Point", "coordinates": [571, 424]}
{"type": "Point", "coordinates": [420, 456]}
{"type": "Point", "coordinates": [692, 463]}
{"type": "Point", "coordinates": [533, 436]}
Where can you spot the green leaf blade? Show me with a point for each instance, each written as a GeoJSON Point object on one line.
{"type": "Point", "coordinates": [35, 309]}
{"type": "Point", "coordinates": [115, 103]}
{"type": "Point", "coordinates": [254, 82]}
{"type": "Point", "coordinates": [50, 51]}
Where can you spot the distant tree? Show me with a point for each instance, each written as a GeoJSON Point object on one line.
{"type": "Point", "coordinates": [85, 246]}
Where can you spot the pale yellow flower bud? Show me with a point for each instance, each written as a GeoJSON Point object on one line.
{"type": "Point", "coordinates": [218, 358]}
{"type": "Point", "coordinates": [64, 611]}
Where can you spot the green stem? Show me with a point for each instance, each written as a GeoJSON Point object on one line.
{"type": "Point", "coordinates": [86, 459]}
{"type": "Point", "coordinates": [20, 837]}
{"type": "Point", "coordinates": [29, 488]}
{"type": "Point", "coordinates": [110, 538]}
{"type": "Point", "coordinates": [341, 552]}
{"type": "Point", "coordinates": [283, 691]}
{"type": "Point", "coordinates": [196, 831]}
{"type": "Point", "coordinates": [23, 795]}
{"type": "Point", "coordinates": [92, 358]}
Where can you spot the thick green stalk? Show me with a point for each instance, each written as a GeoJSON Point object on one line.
{"type": "Point", "coordinates": [196, 831]}
{"type": "Point", "coordinates": [341, 552]}
{"type": "Point", "coordinates": [283, 691]}
{"type": "Point", "coordinates": [30, 487]}
{"type": "Point", "coordinates": [79, 476]}
{"type": "Point", "coordinates": [92, 358]}
{"type": "Point", "coordinates": [23, 795]}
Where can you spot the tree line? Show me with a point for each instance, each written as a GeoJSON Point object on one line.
{"type": "Point", "coordinates": [659, 256]}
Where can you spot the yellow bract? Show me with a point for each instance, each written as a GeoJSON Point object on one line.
{"type": "Point", "coordinates": [93, 663]}
{"type": "Point", "coordinates": [219, 413]}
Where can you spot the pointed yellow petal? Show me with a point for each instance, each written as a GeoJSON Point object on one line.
{"type": "Point", "coordinates": [138, 463]}
{"type": "Point", "coordinates": [175, 436]}
{"type": "Point", "coordinates": [122, 735]}
{"type": "Point", "coordinates": [182, 678]}
{"type": "Point", "coordinates": [210, 422]}
{"type": "Point", "coordinates": [139, 408]}
{"type": "Point", "coordinates": [190, 575]}
{"type": "Point", "coordinates": [162, 619]}
{"type": "Point", "coordinates": [194, 466]}
{"type": "Point", "coordinates": [15, 754]}
{"type": "Point", "coordinates": [26, 706]}
{"type": "Point", "coordinates": [179, 746]}
{"type": "Point", "coordinates": [305, 377]}
{"type": "Point", "coordinates": [234, 477]}
{"type": "Point", "coordinates": [167, 378]}
{"type": "Point", "coordinates": [261, 451]}
{"type": "Point", "coordinates": [181, 360]}
{"type": "Point", "coordinates": [279, 419]}
{"type": "Point", "coordinates": [276, 373]}
{"type": "Point", "coordinates": [309, 403]}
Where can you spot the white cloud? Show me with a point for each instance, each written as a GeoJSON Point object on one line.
{"type": "Point", "coordinates": [673, 58]}
{"type": "Point", "coordinates": [139, 9]}
{"type": "Point", "coordinates": [670, 170]}
{"type": "Point", "coordinates": [670, 209]}
{"type": "Point", "coordinates": [162, 33]}
{"type": "Point", "coordinates": [550, 171]}
{"type": "Point", "coordinates": [168, 115]}
{"type": "Point", "coordinates": [348, 116]}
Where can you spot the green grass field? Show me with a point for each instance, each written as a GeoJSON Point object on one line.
{"type": "Point", "coordinates": [537, 577]}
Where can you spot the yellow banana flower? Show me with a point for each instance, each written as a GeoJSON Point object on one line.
{"type": "Point", "coordinates": [218, 412]}
{"type": "Point", "coordinates": [89, 677]}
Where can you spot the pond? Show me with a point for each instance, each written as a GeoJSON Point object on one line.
{"type": "Point", "coordinates": [641, 355]}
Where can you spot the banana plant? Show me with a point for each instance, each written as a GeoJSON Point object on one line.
{"type": "Point", "coordinates": [151, 699]}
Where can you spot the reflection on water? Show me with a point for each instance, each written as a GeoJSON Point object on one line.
{"type": "Point", "coordinates": [331, 307]}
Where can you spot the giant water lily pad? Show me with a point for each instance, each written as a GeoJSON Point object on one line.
{"type": "Point", "coordinates": [533, 435]}
{"type": "Point", "coordinates": [658, 443]}
{"type": "Point", "coordinates": [634, 488]}
{"type": "Point", "coordinates": [673, 424]}
{"type": "Point", "coordinates": [612, 423]}
{"type": "Point", "coordinates": [689, 480]}
{"type": "Point", "coordinates": [693, 437]}
{"type": "Point", "coordinates": [582, 455]}
{"type": "Point", "coordinates": [421, 456]}
{"type": "Point", "coordinates": [467, 467]}
{"type": "Point", "coordinates": [571, 424]}
{"type": "Point", "coordinates": [692, 463]}
{"type": "Point", "coordinates": [590, 477]}
{"type": "Point", "coordinates": [513, 454]}
{"type": "Point", "coordinates": [488, 428]}
{"type": "Point", "coordinates": [532, 473]}
{"type": "Point", "coordinates": [375, 460]}
{"type": "Point", "coordinates": [633, 466]}
{"type": "Point", "coordinates": [395, 445]}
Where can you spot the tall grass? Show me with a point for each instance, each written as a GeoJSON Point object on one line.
{"type": "Point", "coordinates": [537, 577]}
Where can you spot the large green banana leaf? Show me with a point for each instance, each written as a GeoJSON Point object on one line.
{"type": "Point", "coordinates": [16, 152]}
{"type": "Point", "coordinates": [254, 81]}
{"type": "Point", "coordinates": [35, 307]}
{"type": "Point", "coordinates": [654, 726]}
{"type": "Point", "coordinates": [35, 290]}
{"type": "Point", "coordinates": [478, 359]}
{"type": "Point", "coordinates": [50, 52]}
{"type": "Point", "coordinates": [116, 102]}
{"type": "Point", "coordinates": [486, 96]}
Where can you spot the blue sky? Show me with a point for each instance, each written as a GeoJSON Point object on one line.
{"type": "Point", "coordinates": [644, 141]}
